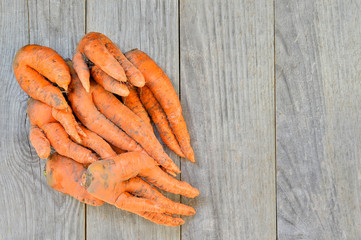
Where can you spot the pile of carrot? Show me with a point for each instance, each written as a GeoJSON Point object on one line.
{"type": "Point", "coordinates": [91, 118]}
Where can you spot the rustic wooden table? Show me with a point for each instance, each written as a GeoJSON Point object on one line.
{"type": "Point", "coordinates": [270, 91]}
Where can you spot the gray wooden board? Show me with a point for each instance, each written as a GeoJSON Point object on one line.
{"type": "Point", "coordinates": [31, 209]}
{"type": "Point", "coordinates": [151, 26]}
{"type": "Point", "coordinates": [318, 75]}
{"type": "Point", "coordinates": [227, 93]}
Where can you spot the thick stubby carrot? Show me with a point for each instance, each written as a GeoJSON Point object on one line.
{"type": "Point", "coordinates": [39, 142]}
{"type": "Point", "coordinates": [98, 144]}
{"type": "Point", "coordinates": [109, 83]}
{"type": "Point", "coordinates": [164, 92]}
{"type": "Point", "coordinates": [88, 114]}
{"type": "Point", "coordinates": [92, 48]}
{"type": "Point", "coordinates": [160, 119]}
{"type": "Point", "coordinates": [64, 175]}
{"type": "Point", "coordinates": [66, 147]}
{"type": "Point", "coordinates": [134, 76]}
{"type": "Point", "coordinates": [133, 102]}
{"type": "Point", "coordinates": [114, 181]}
{"type": "Point", "coordinates": [31, 64]}
{"type": "Point", "coordinates": [133, 125]}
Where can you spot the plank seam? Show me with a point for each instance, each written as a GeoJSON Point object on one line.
{"type": "Point", "coordinates": [275, 108]}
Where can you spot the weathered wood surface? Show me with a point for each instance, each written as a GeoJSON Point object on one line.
{"type": "Point", "coordinates": [227, 92]}
{"type": "Point", "coordinates": [151, 26]}
{"type": "Point", "coordinates": [29, 208]}
{"type": "Point", "coordinates": [318, 75]}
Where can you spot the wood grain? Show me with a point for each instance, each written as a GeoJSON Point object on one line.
{"type": "Point", "coordinates": [31, 209]}
{"type": "Point", "coordinates": [227, 92]}
{"type": "Point", "coordinates": [151, 26]}
{"type": "Point", "coordinates": [318, 74]}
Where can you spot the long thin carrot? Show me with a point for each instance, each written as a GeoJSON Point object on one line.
{"type": "Point", "coordinates": [133, 102]}
{"type": "Point", "coordinates": [64, 175]}
{"type": "Point", "coordinates": [133, 125]}
{"type": "Point", "coordinates": [88, 114]}
{"type": "Point", "coordinates": [160, 119]}
{"type": "Point", "coordinates": [31, 64]}
{"type": "Point", "coordinates": [109, 83]}
{"type": "Point", "coordinates": [163, 90]}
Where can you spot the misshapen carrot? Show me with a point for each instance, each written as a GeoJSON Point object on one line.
{"type": "Point", "coordinates": [115, 181]}
{"type": "Point", "coordinates": [162, 88]}
{"type": "Point", "coordinates": [31, 64]}
{"type": "Point", "coordinates": [160, 119]}
{"type": "Point", "coordinates": [133, 102]}
{"type": "Point", "coordinates": [109, 83]}
{"type": "Point", "coordinates": [64, 175]}
{"type": "Point", "coordinates": [40, 115]}
{"type": "Point", "coordinates": [134, 76]}
{"type": "Point", "coordinates": [88, 114]}
{"type": "Point", "coordinates": [133, 125]}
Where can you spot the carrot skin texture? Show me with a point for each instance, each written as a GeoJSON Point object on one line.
{"type": "Point", "coordinates": [69, 123]}
{"type": "Point", "coordinates": [64, 175]}
{"type": "Point", "coordinates": [133, 102]}
{"type": "Point", "coordinates": [134, 126]}
{"type": "Point", "coordinates": [64, 146]}
{"type": "Point", "coordinates": [88, 114]}
{"type": "Point", "coordinates": [39, 142]}
{"type": "Point", "coordinates": [109, 83]}
{"type": "Point", "coordinates": [135, 77]}
{"type": "Point", "coordinates": [163, 219]}
{"type": "Point", "coordinates": [31, 64]}
{"type": "Point", "coordinates": [96, 143]}
{"type": "Point", "coordinates": [163, 90]}
{"type": "Point", "coordinates": [82, 70]}
{"type": "Point", "coordinates": [160, 120]}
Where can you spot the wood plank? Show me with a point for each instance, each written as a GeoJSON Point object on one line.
{"type": "Point", "coordinates": [30, 208]}
{"type": "Point", "coordinates": [227, 91]}
{"type": "Point", "coordinates": [151, 26]}
{"type": "Point", "coordinates": [318, 53]}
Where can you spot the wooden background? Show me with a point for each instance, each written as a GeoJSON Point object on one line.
{"type": "Point", "coordinates": [271, 94]}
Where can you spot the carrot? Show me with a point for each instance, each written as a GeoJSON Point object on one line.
{"type": "Point", "coordinates": [88, 114]}
{"type": "Point", "coordinates": [109, 83]}
{"type": "Point", "coordinates": [40, 115]}
{"type": "Point", "coordinates": [115, 181]}
{"type": "Point", "coordinates": [91, 47]}
{"type": "Point", "coordinates": [134, 76]}
{"type": "Point", "coordinates": [118, 150]}
{"type": "Point", "coordinates": [160, 85]}
{"type": "Point", "coordinates": [134, 126]}
{"type": "Point", "coordinates": [133, 102]}
{"type": "Point", "coordinates": [161, 218]}
{"type": "Point", "coordinates": [96, 143]}
{"type": "Point", "coordinates": [160, 119]}
{"type": "Point", "coordinates": [39, 142]}
{"type": "Point", "coordinates": [31, 64]}
{"type": "Point", "coordinates": [64, 175]}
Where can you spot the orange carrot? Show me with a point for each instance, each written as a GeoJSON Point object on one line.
{"type": "Point", "coordinates": [163, 90]}
{"type": "Point", "coordinates": [31, 64]}
{"type": "Point", "coordinates": [39, 142]}
{"type": "Point", "coordinates": [162, 219]}
{"type": "Point", "coordinates": [114, 181]}
{"type": "Point", "coordinates": [134, 76]}
{"type": "Point", "coordinates": [98, 144]}
{"type": "Point", "coordinates": [160, 119]}
{"type": "Point", "coordinates": [88, 114]}
{"type": "Point", "coordinates": [133, 102]}
{"type": "Point", "coordinates": [118, 150]}
{"type": "Point", "coordinates": [134, 126]}
{"type": "Point", "coordinates": [64, 175]}
{"type": "Point", "coordinates": [40, 115]}
{"type": "Point", "coordinates": [109, 83]}
{"type": "Point", "coordinates": [92, 47]}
